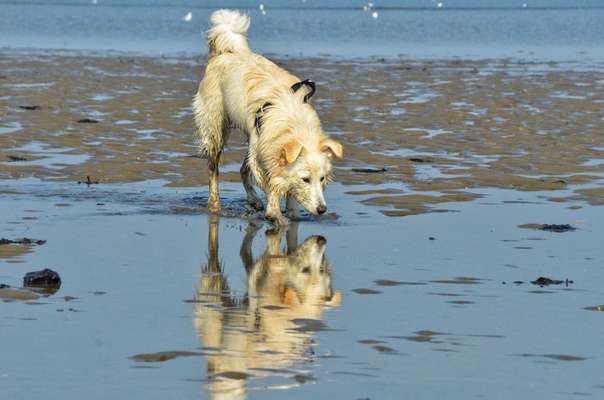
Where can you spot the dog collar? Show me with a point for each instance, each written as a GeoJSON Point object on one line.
{"type": "Point", "coordinates": [308, 83]}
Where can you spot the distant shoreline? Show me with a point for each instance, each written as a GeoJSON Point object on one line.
{"type": "Point", "coordinates": [521, 59]}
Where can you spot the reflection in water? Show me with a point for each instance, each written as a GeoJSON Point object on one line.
{"type": "Point", "coordinates": [260, 334]}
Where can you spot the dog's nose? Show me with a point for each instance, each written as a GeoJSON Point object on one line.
{"type": "Point", "coordinates": [321, 240]}
{"type": "Point", "coordinates": [321, 209]}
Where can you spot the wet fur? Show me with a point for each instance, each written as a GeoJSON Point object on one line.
{"type": "Point", "coordinates": [291, 145]}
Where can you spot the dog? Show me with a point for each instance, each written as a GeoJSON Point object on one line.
{"type": "Point", "coordinates": [263, 330]}
{"type": "Point", "coordinates": [288, 155]}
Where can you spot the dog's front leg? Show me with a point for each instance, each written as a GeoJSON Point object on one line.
{"type": "Point", "coordinates": [246, 178]}
{"type": "Point", "coordinates": [273, 210]}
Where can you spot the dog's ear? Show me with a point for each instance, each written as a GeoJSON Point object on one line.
{"type": "Point", "coordinates": [290, 152]}
{"type": "Point", "coordinates": [332, 148]}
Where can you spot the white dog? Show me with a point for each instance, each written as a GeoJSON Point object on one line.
{"type": "Point", "coordinates": [288, 154]}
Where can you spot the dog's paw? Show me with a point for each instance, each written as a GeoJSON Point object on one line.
{"type": "Point", "coordinates": [214, 206]}
{"type": "Point", "coordinates": [278, 220]}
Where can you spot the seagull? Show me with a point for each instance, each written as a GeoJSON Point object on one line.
{"type": "Point", "coordinates": [261, 7]}
{"type": "Point", "coordinates": [375, 15]}
{"type": "Point", "coordinates": [188, 17]}
{"type": "Point", "coordinates": [439, 5]}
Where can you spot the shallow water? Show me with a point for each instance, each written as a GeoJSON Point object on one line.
{"type": "Point", "coordinates": [427, 317]}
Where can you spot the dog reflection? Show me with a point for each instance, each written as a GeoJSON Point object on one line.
{"type": "Point", "coordinates": [257, 334]}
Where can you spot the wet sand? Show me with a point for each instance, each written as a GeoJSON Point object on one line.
{"type": "Point", "coordinates": [440, 129]}
{"type": "Point", "coordinates": [389, 294]}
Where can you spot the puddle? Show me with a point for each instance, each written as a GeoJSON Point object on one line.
{"type": "Point", "coordinates": [428, 172]}
{"type": "Point", "coordinates": [124, 122]}
{"type": "Point", "coordinates": [10, 127]}
{"type": "Point", "coordinates": [428, 133]}
{"type": "Point", "coordinates": [37, 86]}
{"type": "Point", "coordinates": [416, 96]}
{"type": "Point", "coordinates": [593, 163]}
{"type": "Point", "coordinates": [566, 96]}
{"type": "Point", "coordinates": [102, 97]}
{"type": "Point", "coordinates": [52, 158]}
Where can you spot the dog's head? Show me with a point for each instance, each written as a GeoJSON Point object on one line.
{"type": "Point", "coordinates": [308, 170]}
{"type": "Point", "coordinates": [294, 151]}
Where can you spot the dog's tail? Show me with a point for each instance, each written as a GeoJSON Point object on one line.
{"type": "Point", "coordinates": [228, 32]}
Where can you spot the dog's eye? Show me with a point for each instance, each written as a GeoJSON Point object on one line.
{"type": "Point", "coordinates": [306, 180]}
{"type": "Point", "coordinates": [322, 178]}
{"type": "Point", "coordinates": [306, 270]}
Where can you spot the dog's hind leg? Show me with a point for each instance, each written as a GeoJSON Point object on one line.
{"type": "Point", "coordinates": [214, 197]}
{"type": "Point", "coordinates": [246, 178]}
{"type": "Point", "coordinates": [212, 131]}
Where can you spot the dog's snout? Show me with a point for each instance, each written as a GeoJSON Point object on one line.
{"type": "Point", "coordinates": [321, 240]}
{"type": "Point", "coordinates": [321, 209]}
